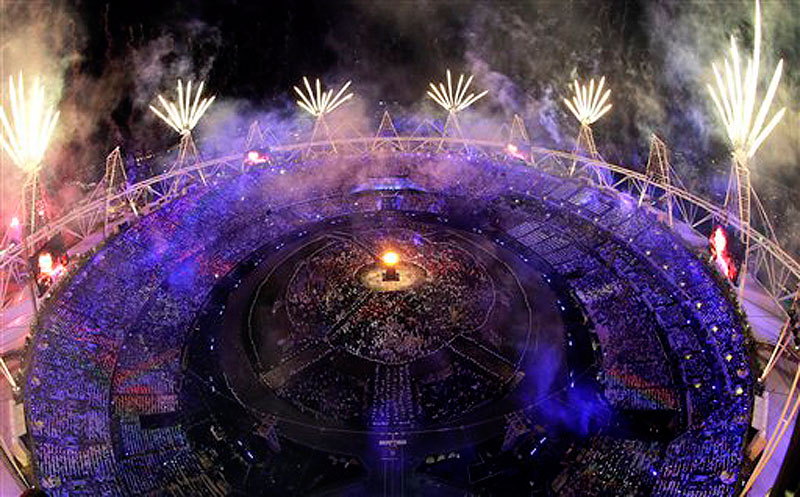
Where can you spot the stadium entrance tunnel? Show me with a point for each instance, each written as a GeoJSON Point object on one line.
{"type": "Point", "coordinates": [249, 339]}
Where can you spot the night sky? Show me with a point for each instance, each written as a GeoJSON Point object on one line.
{"type": "Point", "coordinates": [110, 59]}
{"type": "Point", "coordinates": [256, 50]}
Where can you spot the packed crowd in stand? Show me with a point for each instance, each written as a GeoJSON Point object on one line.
{"type": "Point", "coordinates": [669, 294]}
{"type": "Point", "coordinates": [107, 349]}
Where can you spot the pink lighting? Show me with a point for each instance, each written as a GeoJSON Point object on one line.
{"type": "Point", "coordinates": [720, 254]}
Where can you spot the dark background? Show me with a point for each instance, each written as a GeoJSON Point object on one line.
{"type": "Point", "coordinates": [108, 60]}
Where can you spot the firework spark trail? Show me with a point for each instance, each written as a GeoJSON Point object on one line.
{"type": "Point", "coordinates": [27, 133]}
{"type": "Point", "coordinates": [736, 97]}
{"type": "Point", "coordinates": [320, 103]}
{"type": "Point", "coordinates": [184, 116]}
{"type": "Point", "coordinates": [454, 101]}
{"type": "Point", "coordinates": [587, 104]}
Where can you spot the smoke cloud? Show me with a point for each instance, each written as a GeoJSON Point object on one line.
{"type": "Point", "coordinates": [657, 59]}
{"type": "Point", "coordinates": [105, 65]}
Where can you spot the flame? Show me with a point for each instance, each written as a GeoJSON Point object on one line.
{"type": "Point", "coordinates": [46, 263]}
{"type": "Point", "coordinates": [390, 258]}
{"type": "Point", "coordinates": [15, 222]}
{"type": "Point", "coordinates": [720, 254]}
{"type": "Point", "coordinates": [48, 268]}
{"type": "Point", "coordinates": [255, 157]}
{"type": "Point", "coordinates": [513, 150]}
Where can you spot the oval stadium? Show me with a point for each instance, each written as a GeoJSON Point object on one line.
{"type": "Point", "coordinates": [241, 340]}
{"type": "Point", "coordinates": [453, 292]}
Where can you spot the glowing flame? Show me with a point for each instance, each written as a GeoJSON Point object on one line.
{"type": "Point", "coordinates": [390, 258]}
{"type": "Point", "coordinates": [26, 134]}
{"type": "Point", "coordinates": [184, 116]}
{"type": "Point", "coordinates": [513, 150]}
{"type": "Point", "coordinates": [46, 263]}
{"type": "Point", "coordinates": [49, 269]}
{"type": "Point", "coordinates": [589, 103]}
{"type": "Point", "coordinates": [720, 254]}
{"type": "Point", "coordinates": [454, 101]}
{"type": "Point", "coordinates": [322, 102]}
{"type": "Point", "coordinates": [15, 222]}
{"type": "Point", "coordinates": [735, 97]}
{"type": "Point", "coordinates": [254, 157]}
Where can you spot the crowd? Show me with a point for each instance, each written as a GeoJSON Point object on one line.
{"type": "Point", "coordinates": [325, 296]}
{"type": "Point", "coordinates": [393, 402]}
{"type": "Point", "coordinates": [664, 324]}
{"type": "Point", "coordinates": [113, 337]}
{"type": "Point", "coordinates": [107, 348]}
{"type": "Point", "coordinates": [461, 390]}
{"type": "Point", "coordinates": [324, 391]}
{"type": "Point", "coordinates": [611, 466]}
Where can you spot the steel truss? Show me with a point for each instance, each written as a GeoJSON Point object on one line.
{"type": "Point", "coordinates": [777, 271]}
{"type": "Point", "coordinates": [114, 200]}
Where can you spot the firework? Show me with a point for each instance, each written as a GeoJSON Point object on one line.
{"type": "Point", "coordinates": [736, 97]}
{"type": "Point", "coordinates": [589, 103]}
{"type": "Point", "coordinates": [321, 102]}
{"type": "Point", "coordinates": [454, 101]}
{"type": "Point", "coordinates": [183, 115]}
{"type": "Point", "coordinates": [27, 131]}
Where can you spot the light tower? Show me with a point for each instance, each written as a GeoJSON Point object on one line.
{"type": "Point", "coordinates": [182, 116]}
{"type": "Point", "coordinates": [321, 103]}
{"type": "Point", "coordinates": [453, 101]}
{"type": "Point", "coordinates": [587, 105]}
{"type": "Point", "coordinates": [114, 180]}
{"type": "Point", "coordinates": [517, 132]}
{"type": "Point", "coordinates": [736, 98]}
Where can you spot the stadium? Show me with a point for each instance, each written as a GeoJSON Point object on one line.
{"type": "Point", "coordinates": [410, 311]}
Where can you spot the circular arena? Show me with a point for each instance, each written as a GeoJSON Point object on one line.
{"type": "Point", "coordinates": [540, 334]}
